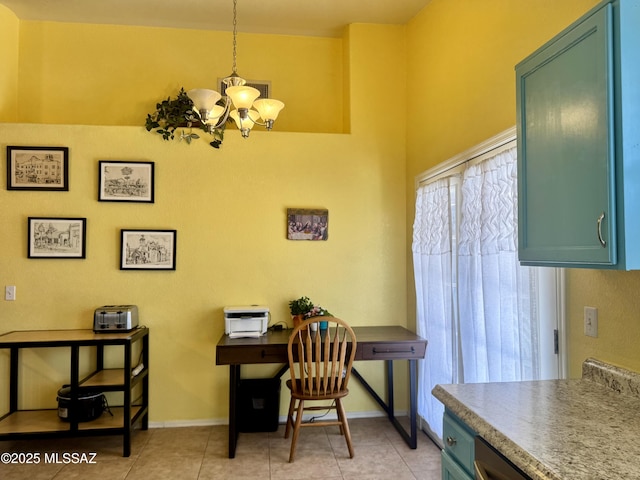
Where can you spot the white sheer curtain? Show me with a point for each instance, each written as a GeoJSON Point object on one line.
{"type": "Point", "coordinates": [432, 252]}
{"type": "Point", "coordinates": [498, 316]}
{"type": "Point", "coordinates": [475, 304]}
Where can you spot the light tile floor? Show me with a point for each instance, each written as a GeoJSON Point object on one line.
{"type": "Point", "coordinates": [200, 453]}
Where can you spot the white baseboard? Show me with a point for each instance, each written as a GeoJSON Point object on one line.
{"type": "Point", "coordinates": [207, 422]}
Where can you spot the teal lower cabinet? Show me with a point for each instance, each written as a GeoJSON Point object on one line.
{"type": "Point", "coordinates": [451, 470]}
{"type": "Point", "coordinates": [458, 454]}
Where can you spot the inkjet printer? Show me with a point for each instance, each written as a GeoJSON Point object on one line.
{"type": "Point", "coordinates": [246, 321]}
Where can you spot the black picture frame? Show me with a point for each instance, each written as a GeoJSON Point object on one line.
{"type": "Point", "coordinates": [148, 249]}
{"type": "Point", "coordinates": [38, 168]}
{"type": "Point", "coordinates": [56, 237]}
{"type": "Point", "coordinates": [124, 181]}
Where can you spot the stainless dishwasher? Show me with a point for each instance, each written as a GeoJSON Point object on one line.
{"type": "Point", "coordinates": [490, 464]}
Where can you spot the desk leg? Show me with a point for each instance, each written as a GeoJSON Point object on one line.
{"type": "Point", "coordinates": [13, 380]}
{"type": "Point", "coordinates": [234, 379]}
{"type": "Point", "coordinates": [390, 404]}
{"type": "Point", "coordinates": [413, 402]}
{"type": "Point", "coordinates": [410, 439]}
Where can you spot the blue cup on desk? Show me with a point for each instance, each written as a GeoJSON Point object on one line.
{"type": "Point", "coordinates": [323, 325]}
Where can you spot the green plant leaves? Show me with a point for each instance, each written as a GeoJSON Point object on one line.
{"type": "Point", "coordinates": [178, 112]}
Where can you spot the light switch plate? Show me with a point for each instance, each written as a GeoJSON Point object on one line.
{"type": "Point", "coordinates": [10, 292]}
{"type": "Point", "coordinates": [591, 321]}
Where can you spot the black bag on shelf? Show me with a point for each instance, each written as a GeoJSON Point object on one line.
{"type": "Point", "coordinates": [90, 405]}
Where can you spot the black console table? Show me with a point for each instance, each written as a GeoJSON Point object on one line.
{"type": "Point", "coordinates": [19, 424]}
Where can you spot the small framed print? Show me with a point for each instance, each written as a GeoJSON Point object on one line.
{"type": "Point", "coordinates": [52, 237]}
{"type": "Point", "coordinates": [307, 224]}
{"type": "Point", "coordinates": [148, 250]}
{"type": "Point", "coordinates": [121, 181]}
{"type": "Point", "coordinates": [37, 168]}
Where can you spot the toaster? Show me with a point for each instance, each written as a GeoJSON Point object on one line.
{"type": "Point", "coordinates": [115, 318]}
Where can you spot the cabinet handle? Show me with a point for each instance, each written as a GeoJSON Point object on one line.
{"type": "Point", "coordinates": [600, 239]}
{"type": "Point", "coordinates": [265, 354]}
{"type": "Point", "coordinates": [387, 350]}
{"type": "Point", "coordinates": [451, 441]}
{"type": "Point", "coordinates": [481, 473]}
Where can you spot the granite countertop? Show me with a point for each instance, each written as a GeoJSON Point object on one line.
{"type": "Point", "coordinates": [587, 428]}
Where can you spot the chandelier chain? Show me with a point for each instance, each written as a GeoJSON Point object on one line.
{"type": "Point", "coordinates": [235, 33]}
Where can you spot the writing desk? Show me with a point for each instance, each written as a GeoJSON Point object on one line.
{"type": "Point", "coordinates": [386, 343]}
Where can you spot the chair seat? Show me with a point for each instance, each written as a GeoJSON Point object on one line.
{"type": "Point", "coordinates": [315, 394]}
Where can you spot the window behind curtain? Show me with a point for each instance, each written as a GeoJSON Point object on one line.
{"type": "Point", "coordinates": [481, 312]}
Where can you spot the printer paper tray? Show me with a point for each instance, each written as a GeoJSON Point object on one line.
{"type": "Point", "coordinates": [245, 335]}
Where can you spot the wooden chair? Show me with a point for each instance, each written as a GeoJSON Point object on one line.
{"type": "Point", "coordinates": [320, 366]}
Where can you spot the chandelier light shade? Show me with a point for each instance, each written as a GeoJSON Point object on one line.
{"type": "Point", "coordinates": [238, 95]}
{"type": "Point", "coordinates": [268, 108]}
{"type": "Point", "coordinates": [242, 97]}
{"type": "Point", "coordinates": [245, 120]}
{"type": "Point", "coordinates": [205, 102]}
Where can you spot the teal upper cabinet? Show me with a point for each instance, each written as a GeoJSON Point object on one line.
{"type": "Point", "coordinates": [578, 122]}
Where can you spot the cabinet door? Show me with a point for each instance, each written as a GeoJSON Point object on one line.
{"type": "Point", "coordinates": [451, 470]}
{"type": "Point", "coordinates": [566, 177]}
{"type": "Point", "coordinates": [459, 441]}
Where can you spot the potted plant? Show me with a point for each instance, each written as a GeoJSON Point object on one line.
{"type": "Point", "coordinates": [303, 308]}
{"type": "Point", "coordinates": [318, 311]}
{"type": "Point", "coordinates": [299, 309]}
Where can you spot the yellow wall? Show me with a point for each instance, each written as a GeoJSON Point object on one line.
{"type": "Point", "coordinates": [461, 62]}
{"type": "Point", "coordinates": [461, 77]}
{"type": "Point", "coordinates": [9, 61]}
{"type": "Point", "coordinates": [228, 207]}
{"type": "Point", "coordinates": [114, 75]}
{"type": "Point", "coordinates": [615, 295]}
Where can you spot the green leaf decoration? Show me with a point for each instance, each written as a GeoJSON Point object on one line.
{"type": "Point", "coordinates": [178, 112]}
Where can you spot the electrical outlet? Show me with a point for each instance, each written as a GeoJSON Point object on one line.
{"type": "Point", "coordinates": [10, 292]}
{"type": "Point", "coordinates": [591, 321]}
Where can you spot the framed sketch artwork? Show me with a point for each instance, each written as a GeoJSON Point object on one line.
{"type": "Point", "coordinates": [37, 168]}
{"type": "Point", "coordinates": [126, 181]}
{"type": "Point", "coordinates": [148, 250]}
{"type": "Point", "coordinates": [51, 237]}
{"type": "Point", "coordinates": [307, 224]}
